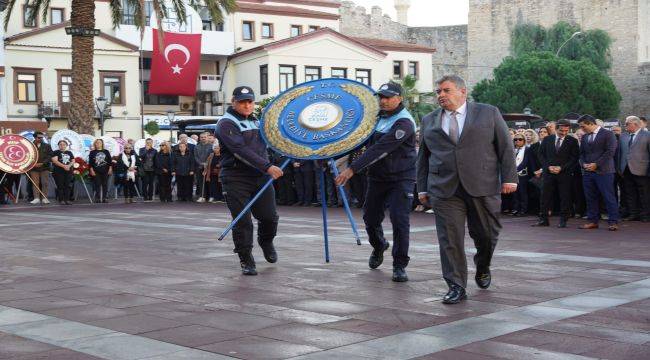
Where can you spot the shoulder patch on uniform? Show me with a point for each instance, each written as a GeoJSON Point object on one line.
{"type": "Point", "coordinates": [399, 133]}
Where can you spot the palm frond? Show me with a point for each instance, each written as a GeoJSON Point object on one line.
{"type": "Point", "coordinates": [8, 10]}
{"type": "Point", "coordinates": [115, 6]}
{"type": "Point", "coordinates": [44, 6]}
{"type": "Point", "coordinates": [179, 8]}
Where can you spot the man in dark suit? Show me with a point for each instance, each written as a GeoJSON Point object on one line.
{"type": "Point", "coordinates": [466, 160]}
{"type": "Point", "coordinates": [597, 161]}
{"type": "Point", "coordinates": [559, 155]}
{"type": "Point", "coordinates": [632, 160]}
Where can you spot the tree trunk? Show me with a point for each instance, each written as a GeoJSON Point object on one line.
{"type": "Point", "coordinates": [82, 109]}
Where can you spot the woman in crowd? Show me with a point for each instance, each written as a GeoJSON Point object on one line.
{"type": "Point", "coordinates": [542, 133]}
{"type": "Point", "coordinates": [526, 166]}
{"type": "Point", "coordinates": [126, 169]}
{"type": "Point", "coordinates": [211, 174]}
{"type": "Point", "coordinates": [100, 169]}
{"type": "Point", "coordinates": [62, 160]}
{"type": "Point", "coordinates": [183, 170]}
{"type": "Point", "coordinates": [164, 167]}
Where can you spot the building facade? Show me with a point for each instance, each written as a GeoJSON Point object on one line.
{"type": "Point", "coordinates": [269, 45]}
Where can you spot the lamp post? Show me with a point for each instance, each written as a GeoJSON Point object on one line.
{"type": "Point", "coordinates": [170, 116]}
{"type": "Point", "coordinates": [101, 103]}
{"type": "Point", "coordinates": [557, 54]}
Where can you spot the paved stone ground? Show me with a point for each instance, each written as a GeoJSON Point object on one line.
{"type": "Point", "coordinates": [149, 281]}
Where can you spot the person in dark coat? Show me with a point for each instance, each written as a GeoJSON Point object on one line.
{"type": "Point", "coordinates": [148, 171]}
{"type": "Point", "coordinates": [526, 166]}
{"type": "Point", "coordinates": [164, 166]}
{"type": "Point", "coordinates": [183, 169]}
{"type": "Point", "coordinates": [100, 169]}
{"type": "Point", "coordinates": [211, 175]}
{"type": "Point", "coordinates": [303, 171]}
{"type": "Point", "coordinates": [62, 159]}
{"type": "Point", "coordinates": [126, 170]}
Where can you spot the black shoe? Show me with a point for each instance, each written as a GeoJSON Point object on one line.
{"type": "Point", "coordinates": [541, 222]}
{"type": "Point", "coordinates": [455, 295]}
{"type": "Point", "coordinates": [269, 253]}
{"type": "Point", "coordinates": [399, 274]}
{"type": "Point", "coordinates": [483, 280]}
{"type": "Point", "coordinates": [562, 223]}
{"type": "Point", "coordinates": [377, 257]}
{"type": "Point", "coordinates": [247, 263]}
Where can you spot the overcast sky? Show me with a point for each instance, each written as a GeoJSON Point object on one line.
{"type": "Point", "coordinates": [426, 12]}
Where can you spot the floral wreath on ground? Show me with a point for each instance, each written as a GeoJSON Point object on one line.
{"type": "Point", "coordinates": [81, 168]}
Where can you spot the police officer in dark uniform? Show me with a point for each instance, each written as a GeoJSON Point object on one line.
{"type": "Point", "coordinates": [245, 167]}
{"type": "Point", "coordinates": [390, 158]}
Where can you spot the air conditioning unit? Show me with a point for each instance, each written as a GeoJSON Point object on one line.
{"type": "Point", "coordinates": [186, 106]}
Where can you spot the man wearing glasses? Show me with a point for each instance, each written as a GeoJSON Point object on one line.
{"type": "Point", "coordinates": [465, 161]}
{"type": "Point", "coordinates": [40, 173]}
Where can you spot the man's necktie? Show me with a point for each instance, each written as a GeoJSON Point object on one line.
{"type": "Point", "coordinates": [629, 143]}
{"type": "Point", "coordinates": [558, 143]}
{"type": "Point", "coordinates": [453, 127]}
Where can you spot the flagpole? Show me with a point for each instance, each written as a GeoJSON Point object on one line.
{"type": "Point", "coordinates": [141, 59]}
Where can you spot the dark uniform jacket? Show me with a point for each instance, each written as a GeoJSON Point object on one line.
{"type": "Point", "coordinates": [243, 152]}
{"type": "Point", "coordinates": [566, 158]}
{"type": "Point", "coordinates": [391, 155]}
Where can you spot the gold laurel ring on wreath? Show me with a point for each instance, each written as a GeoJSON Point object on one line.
{"type": "Point", "coordinates": [367, 126]}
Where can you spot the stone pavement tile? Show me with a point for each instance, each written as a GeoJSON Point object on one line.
{"type": "Point", "coordinates": [305, 317]}
{"type": "Point", "coordinates": [253, 347]}
{"type": "Point", "coordinates": [192, 335]}
{"type": "Point", "coordinates": [42, 303]}
{"type": "Point", "coordinates": [120, 347]}
{"type": "Point", "coordinates": [86, 313]}
{"type": "Point", "coordinates": [454, 354]}
{"type": "Point", "coordinates": [153, 280]}
{"type": "Point", "coordinates": [10, 316]}
{"type": "Point", "coordinates": [583, 302]}
{"type": "Point", "coordinates": [321, 337]}
{"type": "Point", "coordinates": [135, 324]}
{"type": "Point", "coordinates": [121, 301]}
{"type": "Point", "coordinates": [61, 354]}
{"type": "Point", "coordinates": [229, 320]}
{"type": "Point", "coordinates": [42, 285]}
{"type": "Point", "coordinates": [333, 354]}
{"type": "Point", "coordinates": [469, 330]}
{"type": "Point", "coordinates": [14, 294]}
{"type": "Point", "coordinates": [516, 352]}
{"type": "Point", "coordinates": [54, 330]}
{"type": "Point", "coordinates": [551, 341]}
{"type": "Point", "coordinates": [628, 292]}
{"type": "Point", "coordinates": [404, 319]}
{"type": "Point", "coordinates": [245, 307]}
{"type": "Point", "coordinates": [641, 304]}
{"type": "Point", "coordinates": [619, 351]}
{"type": "Point", "coordinates": [190, 354]}
{"type": "Point", "coordinates": [598, 332]}
{"type": "Point", "coordinates": [13, 346]}
{"type": "Point", "coordinates": [400, 346]}
{"type": "Point", "coordinates": [79, 292]}
{"type": "Point", "coordinates": [505, 298]}
{"type": "Point", "coordinates": [533, 315]}
{"type": "Point", "coordinates": [262, 296]}
{"type": "Point", "coordinates": [366, 327]}
{"type": "Point", "coordinates": [328, 306]}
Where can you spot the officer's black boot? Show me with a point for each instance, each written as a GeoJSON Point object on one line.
{"type": "Point", "coordinates": [269, 252]}
{"type": "Point", "coordinates": [399, 274]}
{"type": "Point", "coordinates": [377, 257]}
{"type": "Point", "coordinates": [247, 263]}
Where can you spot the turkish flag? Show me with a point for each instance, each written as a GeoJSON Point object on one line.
{"type": "Point", "coordinates": [175, 67]}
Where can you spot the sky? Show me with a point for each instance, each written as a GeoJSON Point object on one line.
{"type": "Point", "coordinates": [425, 12]}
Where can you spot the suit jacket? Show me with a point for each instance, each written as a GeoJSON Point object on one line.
{"type": "Point", "coordinates": [566, 158]}
{"type": "Point", "coordinates": [481, 161]}
{"type": "Point", "coordinates": [528, 163]}
{"type": "Point", "coordinates": [601, 151]}
{"type": "Point", "coordinates": [637, 157]}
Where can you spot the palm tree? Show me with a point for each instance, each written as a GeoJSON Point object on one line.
{"type": "Point", "coordinates": [412, 98]}
{"type": "Point", "coordinates": [83, 16]}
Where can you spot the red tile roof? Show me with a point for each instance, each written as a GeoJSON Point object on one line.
{"type": "Point", "coordinates": [323, 3]}
{"type": "Point", "coordinates": [247, 7]}
{"type": "Point", "coordinates": [388, 45]}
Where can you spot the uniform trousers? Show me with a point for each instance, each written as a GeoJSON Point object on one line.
{"type": "Point", "coordinates": [62, 180]}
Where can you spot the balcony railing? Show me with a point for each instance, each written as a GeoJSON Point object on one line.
{"type": "Point", "coordinates": [56, 110]}
{"type": "Point", "coordinates": [209, 82]}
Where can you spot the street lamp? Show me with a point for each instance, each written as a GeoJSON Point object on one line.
{"type": "Point", "coordinates": [557, 54]}
{"type": "Point", "coordinates": [101, 103]}
{"type": "Point", "coordinates": [170, 117]}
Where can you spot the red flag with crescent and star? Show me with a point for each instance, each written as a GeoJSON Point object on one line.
{"type": "Point", "coordinates": [175, 67]}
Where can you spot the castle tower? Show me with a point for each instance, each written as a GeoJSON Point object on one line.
{"type": "Point", "coordinates": [402, 7]}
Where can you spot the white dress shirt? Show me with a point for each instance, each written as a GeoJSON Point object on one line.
{"type": "Point", "coordinates": [461, 114]}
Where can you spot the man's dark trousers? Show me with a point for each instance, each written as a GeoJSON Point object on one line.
{"type": "Point", "coordinates": [397, 196]}
{"type": "Point", "coordinates": [597, 186]}
{"type": "Point", "coordinates": [556, 184]}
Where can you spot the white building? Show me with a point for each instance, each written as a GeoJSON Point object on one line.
{"type": "Point", "coordinates": [269, 45]}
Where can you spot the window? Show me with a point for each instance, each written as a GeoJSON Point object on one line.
{"type": "Point", "coordinates": [264, 79]}
{"type": "Point", "coordinates": [397, 69]}
{"type": "Point", "coordinates": [340, 73]}
{"type": "Point", "coordinates": [287, 76]}
{"type": "Point", "coordinates": [312, 73]}
{"type": "Point", "coordinates": [112, 87]}
{"type": "Point", "coordinates": [296, 30]}
{"type": "Point", "coordinates": [413, 69]}
{"type": "Point", "coordinates": [247, 30]}
{"type": "Point", "coordinates": [64, 80]}
{"type": "Point", "coordinates": [207, 25]}
{"type": "Point", "coordinates": [363, 76]}
{"type": "Point", "coordinates": [27, 10]}
{"type": "Point", "coordinates": [57, 15]}
{"type": "Point", "coordinates": [267, 31]}
{"type": "Point", "coordinates": [313, 28]}
{"type": "Point", "coordinates": [27, 85]}
{"type": "Point", "coordinates": [158, 99]}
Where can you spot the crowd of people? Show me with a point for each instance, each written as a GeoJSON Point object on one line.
{"type": "Point", "coordinates": [548, 159]}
